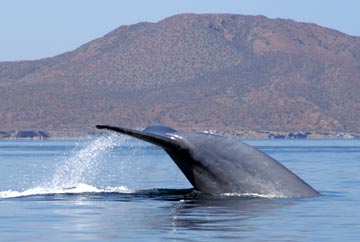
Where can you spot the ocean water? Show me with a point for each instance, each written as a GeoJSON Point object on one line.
{"type": "Point", "coordinates": [117, 189]}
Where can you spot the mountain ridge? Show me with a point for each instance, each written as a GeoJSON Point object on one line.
{"type": "Point", "coordinates": [211, 71]}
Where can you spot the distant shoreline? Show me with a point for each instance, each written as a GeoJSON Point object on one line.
{"type": "Point", "coordinates": [237, 133]}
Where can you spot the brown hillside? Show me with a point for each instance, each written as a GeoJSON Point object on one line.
{"type": "Point", "coordinates": [211, 71]}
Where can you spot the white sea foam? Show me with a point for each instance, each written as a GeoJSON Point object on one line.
{"type": "Point", "coordinates": [252, 195]}
{"type": "Point", "coordinates": [79, 189]}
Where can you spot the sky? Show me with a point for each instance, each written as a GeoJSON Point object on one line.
{"type": "Point", "coordinates": [42, 28]}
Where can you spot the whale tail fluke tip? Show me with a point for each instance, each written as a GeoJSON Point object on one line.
{"type": "Point", "coordinates": [100, 126]}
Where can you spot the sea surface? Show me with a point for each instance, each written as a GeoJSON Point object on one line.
{"type": "Point", "coordinates": [113, 188]}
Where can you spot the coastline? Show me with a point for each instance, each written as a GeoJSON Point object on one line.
{"type": "Point", "coordinates": [236, 133]}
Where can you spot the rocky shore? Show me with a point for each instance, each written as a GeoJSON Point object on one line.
{"type": "Point", "coordinates": [261, 134]}
{"type": "Point", "coordinates": [46, 135]}
{"type": "Point", "coordinates": [238, 133]}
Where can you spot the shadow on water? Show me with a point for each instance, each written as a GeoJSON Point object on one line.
{"type": "Point", "coordinates": [183, 208]}
{"type": "Point", "coordinates": [221, 213]}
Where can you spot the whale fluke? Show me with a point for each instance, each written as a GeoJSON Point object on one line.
{"type": "Point", "coordinates": [151, 137]}
{"type": "Point", "coordinates": [216, 164]}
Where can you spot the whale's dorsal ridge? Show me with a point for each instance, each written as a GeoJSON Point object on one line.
{"type": "Point", "coordinates": [159, 130]}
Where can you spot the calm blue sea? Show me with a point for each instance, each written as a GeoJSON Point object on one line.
{"type": "Point", "coordinates": [118, 189]}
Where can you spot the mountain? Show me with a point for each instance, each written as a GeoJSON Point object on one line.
{"type": "Point", "coordinates": [210, 71]}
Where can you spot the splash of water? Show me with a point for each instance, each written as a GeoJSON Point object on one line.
{"type": "Point", "coordinates": [82, 166]}
{"type": "Point", "coordinates": [75, 173]}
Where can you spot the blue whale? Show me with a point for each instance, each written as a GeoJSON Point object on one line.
{"type": "Point", "coordinates": [218, 165]}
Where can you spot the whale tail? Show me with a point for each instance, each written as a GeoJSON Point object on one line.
{"type": "Point", "coordinates": [152, 134]}
{"type": "Point", "coordinates": [217, 165]}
